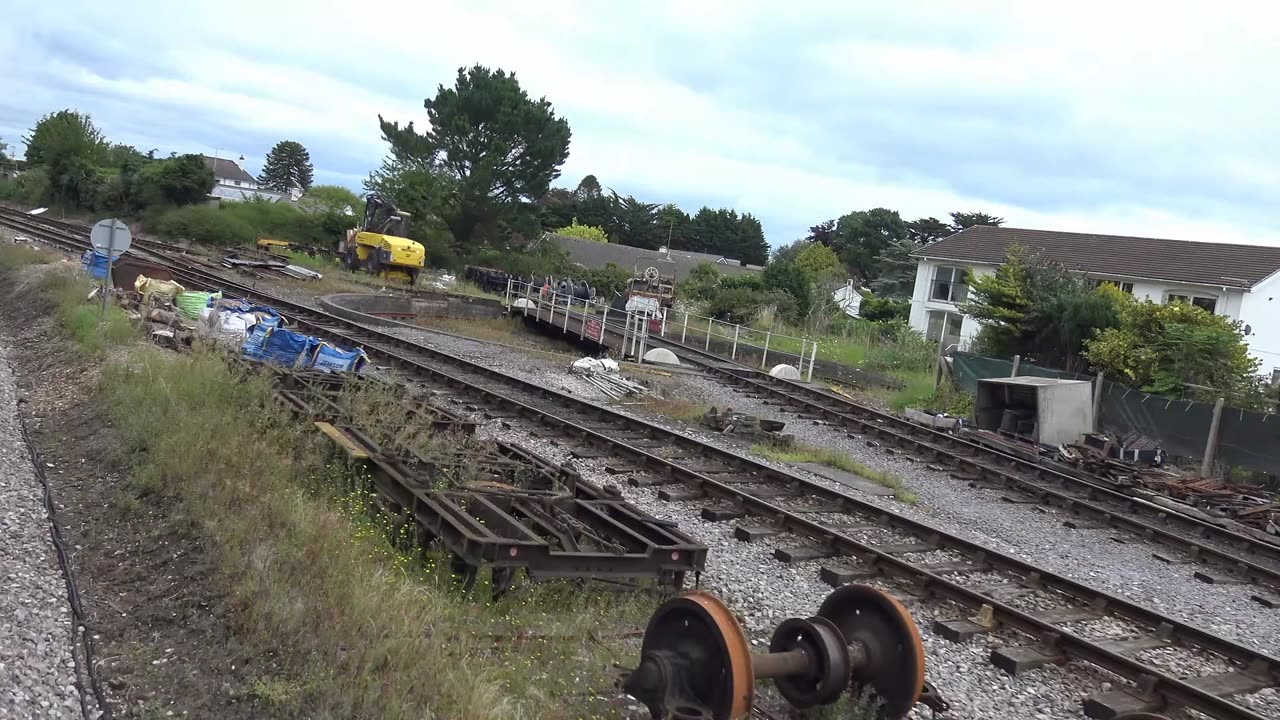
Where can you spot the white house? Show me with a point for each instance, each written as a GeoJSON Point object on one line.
{"type": "Point", "coordinates": [233, 182]}
{"type": "Point", "coordinates": [1241, 282]}
{"type": "Point", "coordinates": [848, 299]}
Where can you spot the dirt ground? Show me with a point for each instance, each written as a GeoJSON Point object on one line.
{"type": "Point", "coordinates": [163, 630]}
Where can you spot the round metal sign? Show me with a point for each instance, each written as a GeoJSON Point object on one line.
{"type": "Point", "coordinates": [111, 233]}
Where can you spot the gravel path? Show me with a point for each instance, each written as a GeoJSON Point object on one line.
{"type": "Point", "coordinates": [37, 671]}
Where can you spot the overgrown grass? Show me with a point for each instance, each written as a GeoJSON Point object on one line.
{"type": "Point", "coordinates": [82, 320]}
{"type": "Point", "coordinates": [363, 628]}
{"type": "Point", "coordinates": [676, 408]}
{"type": "Point", "coordinates": [13, 256]}
{"type": "Point", "coordinates": [379, 633]}
{"type": "Point", "coordinates": [800, 453]}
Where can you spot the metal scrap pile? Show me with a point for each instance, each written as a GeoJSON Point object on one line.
{"type": "Point", "coordinates": [1132, 464]}
{"type": "Point", "coordinates": [603, 374]}
{"type": "Point", "coordinates": [728, 421]}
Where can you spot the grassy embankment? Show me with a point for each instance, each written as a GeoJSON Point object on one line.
{"type": "Point", "coordinates": [366, 630]}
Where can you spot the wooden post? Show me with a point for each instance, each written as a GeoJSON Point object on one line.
{"type": "Point", "coordinates": [1211, 443]}
{"type": "Point", "coordinates": [812, 359]}
{"type": "Point", "coordinates": [684, 329]}
{"type": "Point", "coordinates": [764, 359]}
{"type": "Point", "coordinates": [1017, 360]}
{"type": "Point", "coordinates": [942, 346]}
{"type": "Point", "coordinates": [1098, 383]}
{"type": "Point", "coordinates": [708, 345]}
{"type": "Point", "coordinates": [733, 355]}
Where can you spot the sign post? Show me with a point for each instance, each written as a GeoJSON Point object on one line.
{"type": "Point", "coordinates": [111, 236]}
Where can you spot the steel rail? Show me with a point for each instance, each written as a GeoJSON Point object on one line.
{"type": "Point", "coordinates": [1077, 496]}
{"type": "Point", "coordinates": [1167, 689]}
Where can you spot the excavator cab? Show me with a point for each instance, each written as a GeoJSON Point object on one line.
{"type": "Point", "coordinates": [380, 246]}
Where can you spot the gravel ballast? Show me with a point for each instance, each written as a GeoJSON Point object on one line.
{"type": "Point", "coordinates": [1104, 559]}
{"type": "Point", "coordinates": [37, 670]}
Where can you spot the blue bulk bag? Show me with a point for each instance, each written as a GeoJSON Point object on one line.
{"type": "Point", "coordinates": [96, 263]}
{"type": "Point", "coordinates": [253, 345]}
{"type": "Point", "coordinates": [328, 358]}
{"type": "Point", "coordinates": [285, 347]}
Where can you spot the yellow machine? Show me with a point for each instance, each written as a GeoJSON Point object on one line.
{"type": "Point", "coordinates": [379, 247]}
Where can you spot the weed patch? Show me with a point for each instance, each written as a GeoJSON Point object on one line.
{"type": "Point", "coordinates": [798, 454]}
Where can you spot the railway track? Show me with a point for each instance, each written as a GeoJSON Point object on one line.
{"type": "Point", "coordinates": [808, 521]}
{"type": "Point", "coordinates": [1224, 554]}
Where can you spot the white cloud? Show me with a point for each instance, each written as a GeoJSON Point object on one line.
{"type": "Point", "coordinates": [1099, 116]}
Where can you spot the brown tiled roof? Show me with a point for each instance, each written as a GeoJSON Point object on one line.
{"type": "Point", "coordinates": [225, 169]}
{"type": "Point", "coordinates": [1203, 263]}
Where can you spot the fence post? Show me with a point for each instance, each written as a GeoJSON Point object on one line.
{"type": "Point", "coordinates": [684, 329]}
{"type": "Point", "coordinates": [764, 358]}
{"type": "Point", "coordinates": [663, 333]}
{"type": "Point", "coordinates": [527, 288]}
{"type": "Point", "coordinates": [1211, 444]}
{"type": "Point", "coordinates": [643, 331]}
{"type": "Point", "coordinates": [812, 359]}
{"type": "Point", "coordinates": [1017, 360]}
{"type": "Point", "coordinates": [708, 345]}
{"type": "Point", "coordinates": [1097, 402]}
{"type": "Point", "coordinates": [604, 323]}
{"type": "Point", "coordinates": [508, 295]}
{"type": "Point", "coordinates": [942, 346]}
{"type": "Point", "coordinates": [733, 355]}
{"type": "Point", "coordinates": [804, 343]}
{"type": "Point", "coordinates": [568, 303]}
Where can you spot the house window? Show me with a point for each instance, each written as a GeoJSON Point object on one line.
{"type": "Point", "coordinates": [1125, 287]}
{"type": "Point", "coordinates": [950, 284]}
{"type": "Point", "coordinates": [235, 182]}
{"type": "Point", "coordinates": [1205, 302]}
{"type": "Point", "coordinates": [952, 321]}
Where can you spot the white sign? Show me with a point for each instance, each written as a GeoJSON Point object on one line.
{"type": "Point", "coordinates": [111, 233]}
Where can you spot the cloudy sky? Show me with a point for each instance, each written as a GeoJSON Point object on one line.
{"type": "Point", "coordinates": [1084, 116]}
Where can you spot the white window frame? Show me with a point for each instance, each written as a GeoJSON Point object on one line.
{"type": "Point", "coordinates": [1191, 298]}
{"type": "Point", "coordinates": [951, 284]}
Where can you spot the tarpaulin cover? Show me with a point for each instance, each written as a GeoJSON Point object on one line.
{"type": "Point", "coordinates": [328, 358]}
{"type": "Point", "coordinates": [96, 263]}
{"type": "Point", "coordinates": [245, 306]}
{"type": "Point", "coordinates": [190, 303]}
{"type": "Point", "coordinates": [1246, 439]}
{"type": "Point", "coordinates": [258, 337]}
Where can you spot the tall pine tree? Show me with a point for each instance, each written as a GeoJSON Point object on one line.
{"type": "Point", "coordinates": [287, 166]}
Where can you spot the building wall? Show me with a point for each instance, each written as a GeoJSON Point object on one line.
{"type": "Point", "coordinates": [1260, 311]}
{"type": "Point", "coordinates": [1260, 308]}
{"type": "Point", "coordinates": [238, 193]}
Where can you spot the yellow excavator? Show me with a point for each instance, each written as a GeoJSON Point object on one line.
{"type": "Point", "coordinates": [379, 245]}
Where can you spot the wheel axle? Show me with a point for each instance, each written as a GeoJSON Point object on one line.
{"type": "Point", "coordinates": [696, 663]}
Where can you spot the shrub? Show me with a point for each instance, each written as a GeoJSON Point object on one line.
{"type": "Point", "coordinates": [735, 305]}
{"type": "Point", "coordinates": [584, 232]}
{"type": "Point", "coordinates": [207, 225]}
{"type": "Point", "coordinates": [878, 309]}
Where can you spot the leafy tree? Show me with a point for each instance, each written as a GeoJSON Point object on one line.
{"type": "Point", "coordinates": [925, 230]}
{"type": "Point", "coordinates": [896, 270]}
{"type": "Point", "coordinates": [1039, 310]}
{"type": "Point", "coordinates": [824, 232]}
{"type": "Point", "coordinates": [4, 150]}
{"type": "Point", "coordinates": [184, 180]}
{"type": "Point", "coordinates": [501, 148]}
{"type": "Point", "coordinates": [818, 261]}
{"type": "Point", "coordinates": [1177, 350]}
{"type": "Point", "coordinates": [71, 150]}
{"type": "Point", "coordinates": [589, 187]}
{"type": "Point", "coordinates": [790, 278]}
{"type": "Point", "coordinates": [287, 166]}
{"type": "Point", "coordinates": [962, 220]}
{"type": "Point", "coordinates": [557, 208]}
{"type": "Point", "coordinates": [753, 249]}
{"type": "Point", "coordinates": [419, 188]}
{"type": "Point", "coordinates": [609, 281]}
{"type": "Point", "coordinates": [633, 222]}
{"type": "Point", "coordinates": [861, 237]}
{"type": "Point", "coordinates": [126, 158]}
{"type": "Point", "coordinates": [673, 226]}
{"type": "Point", "coordinates": [584, 232]}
